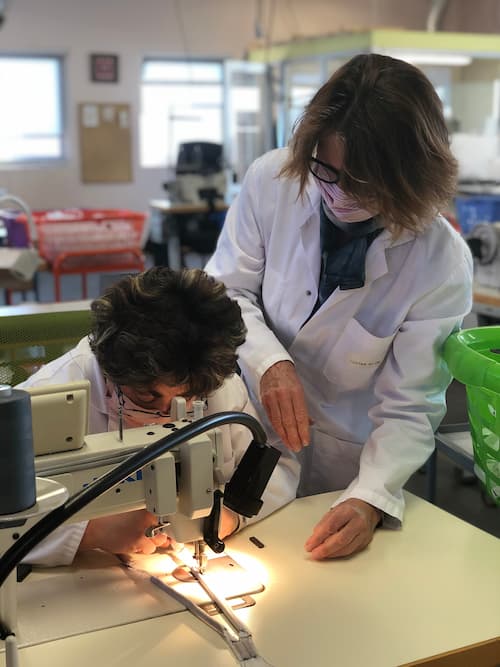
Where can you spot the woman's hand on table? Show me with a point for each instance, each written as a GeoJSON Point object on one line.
{"type": "Point", "coordinates": [346, 529]}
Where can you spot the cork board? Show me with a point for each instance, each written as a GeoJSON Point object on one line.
{"type": "Point", "coordinates": [105, 143]}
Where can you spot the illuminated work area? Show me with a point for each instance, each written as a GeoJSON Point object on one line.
{"type": "Point", "coordinates": [250, 333]}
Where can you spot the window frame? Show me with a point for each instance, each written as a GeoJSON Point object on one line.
{"type": "Point", "coordinates": [186, 61]}
{"type": "Point", "coordinates": [33, 160]}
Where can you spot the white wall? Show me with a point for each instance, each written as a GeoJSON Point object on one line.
{"type": "Point", "coordinates": [137, 28]}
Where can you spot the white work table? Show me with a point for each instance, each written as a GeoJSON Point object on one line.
{"type": "Point", "coordinates": [430, 588]}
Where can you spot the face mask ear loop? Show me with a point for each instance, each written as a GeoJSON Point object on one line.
{"type": "Point", "coordinates": [121, 403]}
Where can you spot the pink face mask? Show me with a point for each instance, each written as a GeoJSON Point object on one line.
{"type": "Point", "coordinates": [133, 415]}
{"type": "Point", "coordinates": [341, 205]}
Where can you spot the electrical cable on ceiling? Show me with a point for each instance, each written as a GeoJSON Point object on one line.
{"type": "Point", "coordinates": [261, 32]}
{"type": "Point", "coordinates": [182, 30]}
{"type": "Point", "coordinates": [268, 36]}
{"type": "Point", "coordinates": [258, 30]}
{"type": "Point", "coordinates": [270, 23]}
{"type": "Point", "coordinates": [438, 7]}
{"type": "Point", "coordinates": [3, 10]}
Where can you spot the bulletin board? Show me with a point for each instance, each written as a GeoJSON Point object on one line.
{"type": "Point", "coordinates": [105, 143]}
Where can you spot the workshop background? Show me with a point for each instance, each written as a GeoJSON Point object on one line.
{"type": "Point", "coordinates": [122, 67]}
{"type": "Point", "coordinates": [178, 29]}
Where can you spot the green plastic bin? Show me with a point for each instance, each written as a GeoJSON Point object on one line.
{"type": "Point", "coordinates": [473, 357]}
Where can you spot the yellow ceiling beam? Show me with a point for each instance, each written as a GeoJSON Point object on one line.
{"type": "Point", "coordinates": [479, 45]}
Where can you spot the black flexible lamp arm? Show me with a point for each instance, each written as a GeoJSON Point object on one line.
{"type": "Point", "coordinates": [81, 499]}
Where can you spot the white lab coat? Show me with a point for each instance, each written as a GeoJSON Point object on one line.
{"type": "Point", "coordinates": [80, 363]}
{"type": "Point", "coordinates": [369, 358]}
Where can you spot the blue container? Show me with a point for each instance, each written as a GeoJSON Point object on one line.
{"type": "Point", "coordinates": [473, 210]}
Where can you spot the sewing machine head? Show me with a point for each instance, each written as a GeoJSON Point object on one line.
{"type": "Point", "coordinates": [182, 487]}
{"type": "Point", "coordinates": [173, 470]}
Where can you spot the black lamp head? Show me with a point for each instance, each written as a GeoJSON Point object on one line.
{"type": "Point", "coordinates": [243, 492]}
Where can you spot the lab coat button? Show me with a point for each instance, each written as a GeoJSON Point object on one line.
{"type": "Point", "coordinates": [308, 292]}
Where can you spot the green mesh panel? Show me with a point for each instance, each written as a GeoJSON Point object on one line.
{"type": "Point", "coordinates": [29, 341]}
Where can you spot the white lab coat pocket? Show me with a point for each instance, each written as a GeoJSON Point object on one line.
{"type": "Point", "coordinates": [355, 357]}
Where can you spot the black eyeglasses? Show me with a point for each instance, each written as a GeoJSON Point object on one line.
{"type": "Point", "coordinates": [323, 171]}
{"type": "Point", "coordinates": [124, 407]}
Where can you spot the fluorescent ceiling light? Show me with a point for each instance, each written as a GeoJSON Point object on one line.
{"type": "Point", "coordinates": [430, 58]}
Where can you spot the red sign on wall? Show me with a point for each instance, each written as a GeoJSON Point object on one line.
{"type": "Point", "coordinates": [104, 68]}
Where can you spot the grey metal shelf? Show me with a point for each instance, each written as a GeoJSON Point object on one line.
{"type": "Point", "coordinates": [455, 442]}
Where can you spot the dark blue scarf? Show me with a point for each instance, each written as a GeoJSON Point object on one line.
{"type": "Point", "coordinates": [343, 254]}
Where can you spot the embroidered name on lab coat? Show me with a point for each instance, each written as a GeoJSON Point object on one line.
{"type": "Point", "coordinates": [358, 362]}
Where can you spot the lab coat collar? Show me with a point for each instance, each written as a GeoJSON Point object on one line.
{"type": "Point", "coordinates": [375, 267]}
{"type": "Point", "coordinates": [376, 260]}
{"type": "Point", "coordinates": [311, 199]}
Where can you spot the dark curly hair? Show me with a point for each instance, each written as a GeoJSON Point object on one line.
{"type": "Point", "coordinates": [397, 159]}
{"type": "Point", "coordinates": [174, 327]}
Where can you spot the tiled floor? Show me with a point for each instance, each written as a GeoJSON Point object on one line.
{"type": "Point", "coordinates": [464, 500]}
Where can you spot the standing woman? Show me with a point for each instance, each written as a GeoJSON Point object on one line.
{"type": "Point", "coordinates": [350, 281]}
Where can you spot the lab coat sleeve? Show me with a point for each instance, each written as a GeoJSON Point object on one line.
{"type": "Point", "coordinates": [282, 486]}
{"type": "Point", "coordinates": [59, 548]}
{"type": "Point", "coordinates": [239, 262]}
{"type": "Point", "coordinates": [410, 392]}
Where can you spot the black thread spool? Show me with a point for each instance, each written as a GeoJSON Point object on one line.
{"type": "Point", "coordinates": [17, 461]}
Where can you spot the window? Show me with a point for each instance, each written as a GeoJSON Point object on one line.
{"type": "Point", "coordinates": [248, 114]}
{"type": "Point", "coordinates": [180, 101]}
{"type": "Point", "coordinates": [31, 110]}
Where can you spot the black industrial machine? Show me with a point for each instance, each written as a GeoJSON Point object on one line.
{"type": "Point", "coordinates": [200, 179]}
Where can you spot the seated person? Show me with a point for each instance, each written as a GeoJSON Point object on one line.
{"type": "Point", "coordinates": [157, 335]}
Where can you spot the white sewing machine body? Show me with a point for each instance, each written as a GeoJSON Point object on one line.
{"type": "Point", "coordinates": [177, 487]}
{"type": "Point", "coordinates": [173, 469]}
{"type": "Point", "coordinates": [177, 478]}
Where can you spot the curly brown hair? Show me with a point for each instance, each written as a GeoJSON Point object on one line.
{"type": "Point", "coordinates": [174, 327]}
{"type": "Point", "coordinates": [397, 158]}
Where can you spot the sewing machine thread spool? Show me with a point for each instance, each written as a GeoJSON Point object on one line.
{"type": "Point", "coordinates": [17, 472]}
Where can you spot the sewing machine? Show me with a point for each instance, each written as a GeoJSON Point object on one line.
{"type": "Point", "coordinates": [177, 487]}
{"type": "Point", "coordinates": [455, 580]}
{"type": "Point", "coordinates": [172, 470]}
{"type": "Point", "coordinates": [484, 242]}
{"type": "Point", "coordinates": [199, 170]}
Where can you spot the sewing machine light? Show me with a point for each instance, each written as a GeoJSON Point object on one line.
{"type": "Point", "coordinates": [243, 492]}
